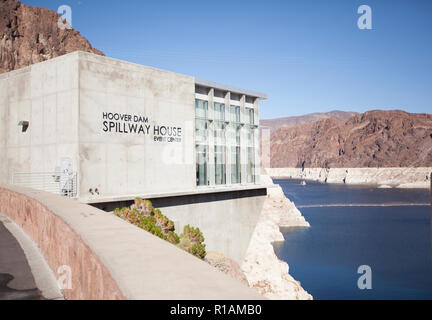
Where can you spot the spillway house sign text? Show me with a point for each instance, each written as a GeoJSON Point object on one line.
{"type": "Point", "coordinates": [135, 124]}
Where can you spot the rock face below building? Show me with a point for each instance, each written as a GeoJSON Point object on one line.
{"type": "Point", "coordinates": [227, 265]}
{"type": "Point", "coordinates": [264, 271]}
{"type": "Point", "coordinates": [30, 34]}
{"type": "Point", "coordinates": [374, 139]}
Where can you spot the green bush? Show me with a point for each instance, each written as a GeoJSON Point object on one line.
{"type": "Point", "coordinates": [144, 206]}
{"type": "Point", "coordinates": [192, 241]}
{"type": "Point", "coordinates": [145, 216]}
{"type": "Point", "coordinates": [173, 237]}
{"type": "Point", "coordinates": [199, 250]}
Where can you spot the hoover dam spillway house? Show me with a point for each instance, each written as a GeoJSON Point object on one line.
{"type": "Point", "coordinates": [105, 131]}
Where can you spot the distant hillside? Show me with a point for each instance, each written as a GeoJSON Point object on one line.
{"type": "Point", "coordinates": [30, 34]}
{"type": "Point", "coordinates": [372, 139]}
{"type": "Point", "coordinates": [275, 124]}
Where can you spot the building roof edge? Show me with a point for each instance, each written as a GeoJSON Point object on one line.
{"type": "Point", "coordinates": [225, 87]}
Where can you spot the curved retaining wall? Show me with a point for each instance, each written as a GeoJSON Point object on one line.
{"type": "Point", "coordinates": [110, 258]}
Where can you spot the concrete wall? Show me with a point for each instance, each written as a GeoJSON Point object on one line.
{"type": "Point", "coordinates": [120, 164]}
{"type": "Point", "coordinates": [108, 257]}
{"type": "Point", "coordinates": [227, 219]}
{"type": "Point", "coordinates": [60, 244]}
{"type": "Point", "coordinates": [64, 100]}
{"type": "Point", "coordinates": [227, 224]}
{"type": "Point", "coordinates": [46, 95]}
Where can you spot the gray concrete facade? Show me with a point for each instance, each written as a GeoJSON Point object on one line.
{"type": "Point", "coordinates": [119, 163]}
{"type": "Point", "coordinates": [128, 130]}
{"type": "Point", "coordinates": [45, 94]}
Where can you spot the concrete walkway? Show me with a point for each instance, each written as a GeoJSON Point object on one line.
{"type": "Point", "coordinates": [20, 260]}
{"type": "Point", "coordinates": [109, 258]}
{"type": "Point", "coordinates": [16, 279]}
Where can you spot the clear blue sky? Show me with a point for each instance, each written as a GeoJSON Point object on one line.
{"type": "Point", "coordinates": [307, 55]}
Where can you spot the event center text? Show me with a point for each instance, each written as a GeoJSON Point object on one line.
{"type": "Point", "coordinates": [139, 125]}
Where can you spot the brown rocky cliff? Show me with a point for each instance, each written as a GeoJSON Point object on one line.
{"type": "Point", "coordinates": [373, 139]}
{"type": "Point", "coordinates": [275, 124]}
{"type": "Point", "coordinates": [31, 34]}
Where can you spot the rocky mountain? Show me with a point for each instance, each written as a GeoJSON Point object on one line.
{"type": "Point", "coordinates": [31, 34]}
{"type": "Point", "coordinates": [275, 124]}
{"type": "Point", "coordinates": [373, 139]}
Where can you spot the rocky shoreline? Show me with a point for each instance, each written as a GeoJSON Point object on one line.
{"type": "Point", "coordinates": [380, 177]}
{"type": "Point", "coordinates": [264, 271]}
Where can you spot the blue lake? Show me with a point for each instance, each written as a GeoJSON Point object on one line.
{"type": "Point", "coordinates": [386, 229]}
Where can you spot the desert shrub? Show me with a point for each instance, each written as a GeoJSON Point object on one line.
{"type": "Point", "coordinates": [192, 241]}
{"type": "Point", "coordinates": [166, 224]}
{"type": "Point", "coordinates": [134, 216]}
{"type": "Point", "coordinates": [173, 237]}
{"type": "Point", "coordinates": [122, 213]}
{"type": "Point", "coordinates": [147, 223]}
{"type": "Point", "coordinates": [145, 216]}
{"type": "Point", "coordinates": [194, 234]}
{"type": "Point", "coordinates": [198, 250]}
{"type": "Point", "coordinates": [145, 207]}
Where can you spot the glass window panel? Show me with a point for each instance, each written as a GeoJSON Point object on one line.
{"type": "Point", "coordinates": [235, 165]}
{"type": "Point", "coordinates": [250, 99]}
{"type": "Point", "coordinates": [219, 111]}
{"type": "Point", "coordinates": [235, 113]}
{"type": "Point", "coordinates": [250, 168]}
{"type": "Point", "coordinates": [235, 96]}
{"type": "Point", "coordinates": [201, 131]}
{"type": "Point", "coordinates": [201, 90]}
{"type": "Point", "coordinates": [201, 108]}
{"type": "Point", "coordinates": [220, 174]}
{"type": "Point", "coordinates": [230, 133]}
{"type": "Point", "coordinates": [219, 133]}
{"type": "Point", "coordinates": [201, 165]}
{"type": "Point", "coordinates": [233, 134]}
{"type": "Point", "coordinates": [250, 136]}
{"type": "Point", "coordinates": [219, 93]}
{"type": "Point", "coordinates": [249, 113]}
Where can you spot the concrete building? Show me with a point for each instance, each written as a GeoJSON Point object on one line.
{"type": "Point", "coordinates": [106, 131]}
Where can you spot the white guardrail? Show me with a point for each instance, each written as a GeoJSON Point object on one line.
{"type": "Point", "coordinates": [61, 183]}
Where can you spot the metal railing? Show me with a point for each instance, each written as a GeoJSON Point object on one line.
{"type": "Point", "coordinates": [64, 184]}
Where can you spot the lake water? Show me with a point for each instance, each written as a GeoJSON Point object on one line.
{"type": "Point", "coordinates": [386, 229]}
